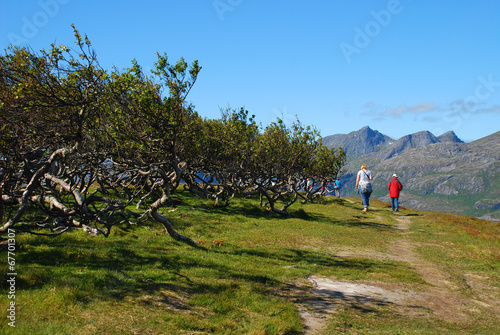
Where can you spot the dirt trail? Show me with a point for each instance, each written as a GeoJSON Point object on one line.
{"type": "Point", "coordinates": [440, 299]}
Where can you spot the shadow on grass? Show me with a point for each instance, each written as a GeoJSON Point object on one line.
{"type": "Point", "coordinates": [366, 224]}
{"type": "Point", "coordinates": [246, 210]}
{"type": "Point", "coordinates": [260, 212]}
{"type": "Point", "coordinates": [238, 209]}
{"type": "Point", "coordinates": [112, 270]}
{"type": "Point", "coordinates": [359, 221]}
{"type": "Point", "coordinates": [294, 257]}
{"type": "Point", "coordinates": [413, 214]}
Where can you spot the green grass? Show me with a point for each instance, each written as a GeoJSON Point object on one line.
{"type": "Point", "coordinates": [461, 245]}
{"type": "Point", "coordinates": [140, 281]}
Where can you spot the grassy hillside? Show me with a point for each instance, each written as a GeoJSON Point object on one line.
{"type": "Point", "coordinates": [421, 272]}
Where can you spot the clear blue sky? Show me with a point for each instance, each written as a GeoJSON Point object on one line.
{"type": "Point", "coordinates": [398, 66]}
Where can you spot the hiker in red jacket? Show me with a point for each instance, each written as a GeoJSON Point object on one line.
{"type": "Point", "coordinates": [394, 188]}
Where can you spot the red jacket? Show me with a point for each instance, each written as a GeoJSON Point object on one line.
{"type": "Point", "coordinates": [394, 188]}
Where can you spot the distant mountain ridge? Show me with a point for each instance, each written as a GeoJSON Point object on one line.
{"type": "Point", "coordinates": [412, 141]}
{"type": "Point", "coordinates": [439, 172]}
{"type": "Point", "coordinates": [366, 140]}
{"type": "Point", "coordinates": [363, 141]}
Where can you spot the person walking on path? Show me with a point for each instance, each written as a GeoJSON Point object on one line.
{"type": "Point", "coordinates": [364, 185]}
{"type": "Point", "coordinates": [394, 187]}
{"type": "Point", "coordinates": [337, 185]}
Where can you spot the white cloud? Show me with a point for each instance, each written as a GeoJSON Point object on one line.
{"type": "Point", "coordinates": [370, 105]}
{"type": "Point", "coordinates": [464, 108]}
{"type": "Point", "coordinates": [490, 110]}
{"type": "Point", "coordinates": [422, 107]}
{"type": "Point", "coordinates": [398, 111]}
{"type": "Point", "coordinates": [431, 119]}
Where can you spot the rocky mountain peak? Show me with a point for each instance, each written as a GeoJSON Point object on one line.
{"type": "Point", "coordinates": [362, 141]}
{"type": "Point", "coordinates": [450, 136]}
{"type": "Point", "coordinates": [416, 140]}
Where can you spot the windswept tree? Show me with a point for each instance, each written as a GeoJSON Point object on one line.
{"type": "Point", "coordinates": [283, 155]}
{"type": "Point", "coordinates": [231, 156]}
{"type": "Point", "coordinates": [146, 139]}
{"type": "Point", "coordinates": [81, 147]}
{"type": "Point", "coordinates": [326, 165]}
{"type": "Point", "coordinates": [221, 156]}
{"type": "Point", "coordinates": [50, 107]}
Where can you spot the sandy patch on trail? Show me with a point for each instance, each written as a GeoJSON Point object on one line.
{"type": "Point", "coordinates": [354, 292]}
{"type": "Point", "coordinates": [326, 295]}
{"type": "Point", "coordinates": [440, 298]}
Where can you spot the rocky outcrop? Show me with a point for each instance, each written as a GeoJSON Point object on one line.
{"type": "Point", "coordinates": [488, 204]}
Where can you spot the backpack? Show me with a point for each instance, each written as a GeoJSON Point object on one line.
{"type": "Point", "coordinates": [366, 187]}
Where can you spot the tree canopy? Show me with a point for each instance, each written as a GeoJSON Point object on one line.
{"type": "Point", "coordinates": [83, 147]}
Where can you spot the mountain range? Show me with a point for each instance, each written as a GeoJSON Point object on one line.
{"type": "Point", "coordinates": [441, 173]}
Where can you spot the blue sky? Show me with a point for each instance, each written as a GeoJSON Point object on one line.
{"type": "Point", "coordinates": [398, 66]}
